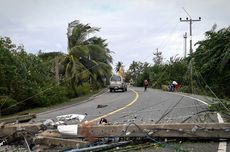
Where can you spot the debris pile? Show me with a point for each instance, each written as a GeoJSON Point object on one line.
{"type": "Point", "coordinates": [92, 136]}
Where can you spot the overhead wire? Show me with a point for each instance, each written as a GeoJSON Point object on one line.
{"type": "Point", "coordinates": [213, 93]}
{"type": "Point", "coordinates": [167, 112]}
{"type": "Point", "coordinates": [147, 136]}
{"type": "Point", "coordinates": [142, 110]}
{"type": "Point", "coordinates": [127, 114]}
{"type": "Point", "coordinates": [196, 114]}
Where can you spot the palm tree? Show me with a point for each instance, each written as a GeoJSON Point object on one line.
{"type": "Point", "coordinates": [89, 56]}
{"type": "Point", "coordinates": [99, 55]}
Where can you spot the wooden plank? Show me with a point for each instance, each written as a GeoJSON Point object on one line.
{"type": "Point", "coordinates": [20, 118]}
{"type": "Point", "coordinates": [188, 130]}
{"type": "Point", "coordinates": [53, 141]}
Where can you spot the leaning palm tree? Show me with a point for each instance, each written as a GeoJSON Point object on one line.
{"type": "Point", "coordinates": [88, 54]}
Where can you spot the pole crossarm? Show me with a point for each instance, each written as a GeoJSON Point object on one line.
{"type": "Point", "coordinates": [190, 29]}
{"type": "Point", "coordinates": [188, 20]}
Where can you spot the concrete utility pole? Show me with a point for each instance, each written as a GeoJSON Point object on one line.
{"type": "Point", "coordinates": [185, 44]}
{"type": "Point", "coordinates": [190, 31]}
{"type": "Point", "coordinates": [158, 59]}
{"type": "Point", "coordinates": [56, 69]}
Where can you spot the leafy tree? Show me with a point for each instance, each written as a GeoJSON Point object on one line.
{"type": "Point", "coordinates": [212, 60]}
{"type": "Point", "coordinates": [25, 80]}
{"type": "Point", "coordinates": [138, 71]}
{"type": "Point", "coordinates": [49, 55]}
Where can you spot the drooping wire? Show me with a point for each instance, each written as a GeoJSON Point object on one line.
{"type": "Point", "coordinates": [213, 92]}
{"type": "Point", "coordinates": [170, 110]}
{"type": "Point", "coordinates": [147, 136]}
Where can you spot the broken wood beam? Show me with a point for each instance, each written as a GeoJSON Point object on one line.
{"type": "Point", "coordinates": [177, 130]}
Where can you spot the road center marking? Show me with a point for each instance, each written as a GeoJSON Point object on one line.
{"type": "Point", "coordinates": [115, 111]}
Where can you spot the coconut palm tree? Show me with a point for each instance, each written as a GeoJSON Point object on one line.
{"type": "Point", "coordinates": [86, 55]}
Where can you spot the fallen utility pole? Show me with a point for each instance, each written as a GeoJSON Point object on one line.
{"type": "Point", "coordinates": [210, 131]}
{"type": "Point", "coordinates": [88, 133]}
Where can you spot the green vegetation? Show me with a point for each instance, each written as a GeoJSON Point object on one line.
{"type": "Point", "coordinates": [212, 60]}
{"type": "Point", "coordinates": [26, 81]}
{"type": "Point", "coordinates": [30, 81]}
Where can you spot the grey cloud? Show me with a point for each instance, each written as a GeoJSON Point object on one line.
{"type": "Point", "coordinates": [133, 28]}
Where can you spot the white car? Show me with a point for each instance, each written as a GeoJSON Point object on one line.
{"type": "Point", "coordinates": [117, 83]}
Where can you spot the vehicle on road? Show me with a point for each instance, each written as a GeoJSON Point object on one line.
{"type": "Point", "coordinates": [117, 83]}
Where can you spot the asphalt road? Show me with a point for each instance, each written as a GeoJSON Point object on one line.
{"type": "Point", "coordinates": [139, 106]}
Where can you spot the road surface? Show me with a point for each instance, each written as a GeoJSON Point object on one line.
{"type": "Point", "coordinates": [151, 106]}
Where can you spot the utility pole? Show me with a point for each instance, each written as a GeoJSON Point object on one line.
{"type": "Point", "coordinates": [56, 69]}
{"type": "Point", "coordinates": [185, 44]}
{"type": "Point", "coordinates": [90, 78]}
{"type": "Point", "coordinates": [158, 59]}
{"type": "Point", "coordinates": [190, 27]}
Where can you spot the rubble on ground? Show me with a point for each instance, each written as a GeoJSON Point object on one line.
{"type": "Point", "coordinates": [56, 135]}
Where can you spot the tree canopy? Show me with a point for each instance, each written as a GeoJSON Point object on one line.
{"type": "Point", "coordinates": [24, 78]}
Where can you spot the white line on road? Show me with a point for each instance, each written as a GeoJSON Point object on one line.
{"type": "Point", "coordinates": [222, 145]}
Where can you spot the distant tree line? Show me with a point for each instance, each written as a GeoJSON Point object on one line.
{"type": "Point", "coordinates": [28, 80]}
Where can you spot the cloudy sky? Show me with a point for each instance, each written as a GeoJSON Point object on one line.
{"type": "Point", "coordinates": [134, 29]}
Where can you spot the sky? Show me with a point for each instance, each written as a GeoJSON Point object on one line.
{"type": "Point", "coordinates": [134, 29]}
